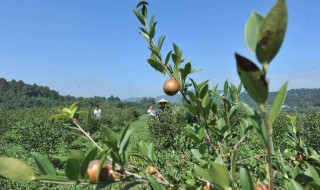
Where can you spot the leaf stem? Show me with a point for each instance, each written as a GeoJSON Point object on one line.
{"type": "Point", "coordinates": [268, 129]}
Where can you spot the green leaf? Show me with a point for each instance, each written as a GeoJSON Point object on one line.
{"type": "Point", "coordinates": [272, 32]}
{"type": "Point", "coordinates": [75, 154]}
{"type": "Point", "coordinates": [225, 89]}
{"type": "Point", "coordinates": [74, 105]}
{"type": "Point", "coordinates": [277, 104]}
{"type": "Point", "coordinates": [196, 153]}
{"type": "Point", "coordinates": [152, 30]}
{"type": "Point", "coordinates": [110, 135]}
{"type": "Point", "coordinates": [145, 36]}
{"type": "Point", "coordinates": [253, 79]}
{"type": "Point", "coordinates": [85, 162]}
{"type": "Point", "coordinates": [125, 142]}
{"type": "Point", "coordinates": [195, 71]}
{"type": "Point", "coordinates": [15, 170]}
{"type": "Point", "coordinates": [216, 174]}
{"type": "Point", "coordinates": [140, 17]}
{"type": "Point", "coordinates": [246, 179]}
{"type": "Point", "coordinates": [52, 178]}
{"type": "Point", "coordinates": [313, 173]}
{"type": "Point", "coordinates": [168, 57]}
{"type": "Point", "coordinates": [150, 152]}
{"type": "Point", "coordinates": [293, 185]}
{"type": "Point", "coordinates": [72, 169]}
{"type": "Point", "coordinates": [259, 126]}
{"type": "Point", "coordinates": [160, 42]}
{"type": "Point", "coordinates": [251, 31]}
{"type": "Point", "coordinates": [154, 184]}
{"type": "Point", "coordinates": [44, 164]}
{"type": "Point", "coordinates": [56, 116]}
{"type": "Point", "coordinates": [142, 3]}
{"type": "Point", "coordinates": [111, 145]}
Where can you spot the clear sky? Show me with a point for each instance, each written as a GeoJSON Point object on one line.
{"type": "Point", "coordinates": [92, 47]}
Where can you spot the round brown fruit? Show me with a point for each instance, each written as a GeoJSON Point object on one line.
{"type": "Point", "coordinates": [261, 186]}
{"type": "Point", "coordinates": [300, 157]}
{"type": "Point", "coordinates": [159, 176]}
{"type": "Point", "coordinates": [171, 87]}
{"type": "Point", "coordinates": [92, 171]}
{"type": "Point", "coordinates": [183, 156]}
{"type": "Point", "coordinates": [182, 162]}
{"type": "Point", "coordinates": [151, 170]}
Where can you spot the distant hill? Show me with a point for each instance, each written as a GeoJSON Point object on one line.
{"type": "Point", "coordinates": [298, 100]}
{"type": "Point", "coordinates": [17, 94]}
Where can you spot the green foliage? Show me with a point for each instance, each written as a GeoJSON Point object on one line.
{"type": "Point", "coordinates": [167, 129]}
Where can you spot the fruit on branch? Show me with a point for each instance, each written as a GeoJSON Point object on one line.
{"type": "Point", "coordinates": [93, 169]}
{"type": "Point", "coordinates": [171, 87]}
{"type": "Point", "coordinates": [300, 157]}
{"type": "Point", "coordinates": [159, 176]}
{"type": "Point", "coordinates": [151, 170]}
{"type": "Point", "coordinates": [183, 156]}
{"type": "Point", "coordinates": [261, 186]}
{"type": "Point", "coordinates": [206, 185]}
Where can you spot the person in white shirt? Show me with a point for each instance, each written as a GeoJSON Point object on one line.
{"type": "Point", "coordinates": [97, 112]}
{"type": "Point", "coordinates": [151, 111]}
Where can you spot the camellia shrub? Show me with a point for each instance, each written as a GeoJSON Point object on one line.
{"type": "Point", "coordinates": [218, 157]}
{"type": "Point", "coordinates": [167, 129]}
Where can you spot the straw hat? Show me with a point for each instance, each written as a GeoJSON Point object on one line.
{"type": "Point", "coordinates": [163, 101]}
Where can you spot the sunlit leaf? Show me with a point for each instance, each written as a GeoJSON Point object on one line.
{"type": "Point", "coordinates": [44, 164]}
{"type": "Point", "coordinates": [246, 179]}
{"type": "Point", "coordinates": [252, 29]}
{"type": "Point", "coordinates": [277, 104]}
{"type": "Point", "coordinates": [15, 170]}
{"type": "Point", "coordinates": [272, 32]}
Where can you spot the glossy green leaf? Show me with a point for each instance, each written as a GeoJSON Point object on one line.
{"type": "Point", "coordinates": [154, 184]}
{"type": "Point", "coordinates": [110, 135]}
{"type": "Point", "coordinates": [150, 152]}
{"type": "Point", "coordinates": [259, 126]}
{"type": "Point", "coordinates": [177, 51]}
{"type": "Point", "coordinates": [111, 145]}
{"type": "Point", "coordinates": [85, 162]}
{"type": "Point", "coordinates": [225, 89]}
{"type": "Point", "coordinates": [253, 79]}
{"type": "Point", "coordinates": [277, 104]}
{"type": "Point", "coordinates": [293, 185]}
{"type": "Point", "coordinates": [216, 174]}
{"type": "Point", "coordinates": [72, 169]}
{"type": "Point", "coordinates": [313, 173]}
{"type": "Point", "coordinates": [152, 30]}
{"type": "Point", "coordinates": [15, 170]}
{"type": "Point", "coordinates": [139, 16]}
{"type": "Point", "coordinates": [160, 42]}
{"type": "Point", "coordinates": [272, 32]}
{"type": "Point", "coordinates": [246, 179]}
{"type": "Point", "coordinates": [252, 29]}
{"type": "Point", "coordinates": [125, 142]}
{"type": "Point", "coordinates": [52, 178]}
{"type": "Point", "coordinates": [44, 164]}
{"type": "Point", "coordinates": [145, 36]}
{"type": "Point", "coordinates": [196, 153]}
{"type": "Point", "coordinates": [168, 57]}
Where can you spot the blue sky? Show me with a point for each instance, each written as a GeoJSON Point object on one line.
{"type": "Point", "coordinates": [92, 48]}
